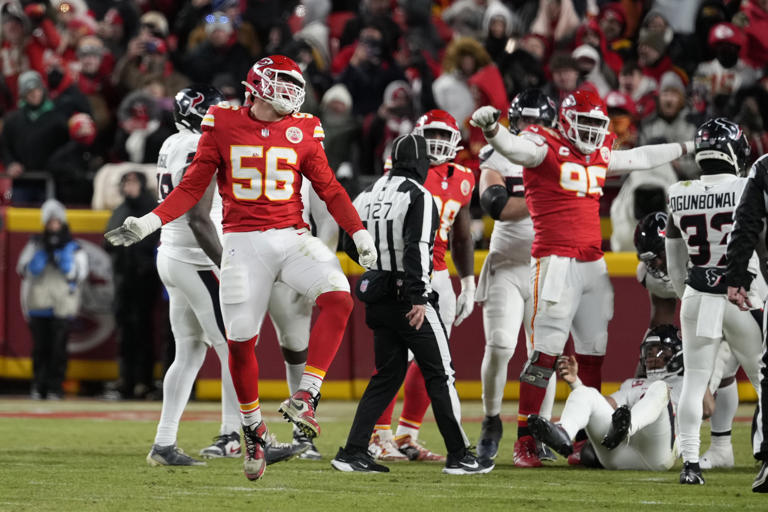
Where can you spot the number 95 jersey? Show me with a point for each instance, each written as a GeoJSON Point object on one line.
{"type": "Point", "coordinates": [563, 196]}
{"type": "Point", "coordinates": [451, 186]}
{"type": "Point", "coordinates": [176, 238]}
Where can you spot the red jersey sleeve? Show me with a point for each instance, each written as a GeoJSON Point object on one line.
{"type": "Point", "coordinates": [315, 167]}
{"type": "Point", "coordinates": [195, 180]}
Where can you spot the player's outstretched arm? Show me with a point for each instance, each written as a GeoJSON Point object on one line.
{"type": "Point", "coordinates": [517, 149]}
{"type": "Point", "coordinates": [677, 257]}
{"type": "Point", "coordinates": [463, 254]}
{"type": "Point", "coordinates": [646, 157]}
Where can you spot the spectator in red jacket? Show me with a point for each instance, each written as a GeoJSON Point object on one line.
{"type": "Point", "coordinates": [754, 18]}
{"type": "Point", "coordinates": [23, 46]}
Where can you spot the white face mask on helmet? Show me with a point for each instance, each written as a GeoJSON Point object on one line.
{"type": "Point", "coordinates": [278, 81]}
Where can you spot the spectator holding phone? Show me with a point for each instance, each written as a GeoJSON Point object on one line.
{"type": "Point", "coordinates": [148, 55]}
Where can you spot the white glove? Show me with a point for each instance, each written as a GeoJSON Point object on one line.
{"type": "Point", "coordinates": [485, 118]}
{"type": "Point", "coordinates": [134, 230]}
{"type": "Point", "coordinates": [466, 301]}
{"type": "Point", "coordinates": [366, 249]}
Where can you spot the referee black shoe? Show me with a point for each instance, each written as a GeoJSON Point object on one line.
{"type": "Point", "coordinates": [617, 432]}
{"type": "Point", "coordinates": [469, 464]}
{"type": "Point", "coordinates": [761, 480]}
{"type": "Point", "coordinates": [691, 474]}
{"type": "Point", "coordinates": [360, 462]}
{"type": "Point", "coordinates": [550, 434]}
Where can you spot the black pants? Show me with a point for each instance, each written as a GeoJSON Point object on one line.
{"type": "Point", "coordinates": [135, 322]}
{"type": "Point", "coordinates": [49, 353]}
{"type": "Point", "coordinates": [392, 337]}
{"type": "Point", "coordinates": [762, 423]}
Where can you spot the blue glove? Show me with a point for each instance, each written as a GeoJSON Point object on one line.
{"type": "Point", "coordinates": [38, 262]}
{"type": "Point", "coordinates": [65, 257]}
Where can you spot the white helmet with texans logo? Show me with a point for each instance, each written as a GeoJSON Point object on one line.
{"type": "Point", "coordinates": [277, 80]}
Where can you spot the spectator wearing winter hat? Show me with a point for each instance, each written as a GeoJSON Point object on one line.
{"type": "Point", "coordinates": [591, 34]}
{"type": "Point", "coordinates": [623, 114]}
{"type": "Point", "coordinates": [651, 55]}
{"type": "Point", "coordinates": [590, 71]}
{"type": "Point", "coordinates": [395, 117]}
{"type": "Point", "coordinates": [670, 122]}
{"type": "Point", "coordinates": [342, 136]}
{"type": "Point", "coordinates": [565, 76]}
{"type": "Point", "coordinates": [722, 76]}
{"type": "Point", "coordinates": [52, 267]}
{"type": "Point", "coordinates": [497, 28]}
{"type": "Point", "coordinates": [219, 53]}
{"type": "Point", "coordinates": [92, 73]}
{"type": "Point", "coordinates": [23, 47]}
{"type": "Point", "coordinates": [31, 134]}
{"type": "Point", "coordinates": [73, 165]}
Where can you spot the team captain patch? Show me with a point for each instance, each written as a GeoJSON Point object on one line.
{"type": "Point", "coordinates": [293, 134]}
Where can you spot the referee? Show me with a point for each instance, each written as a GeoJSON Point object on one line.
{"type": "Point", "coordinates": [750, 220]}
{"type": "Point", "coordinates": [400, 308]}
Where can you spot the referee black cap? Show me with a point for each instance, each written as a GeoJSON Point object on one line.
{"type": "Point", "coordinates": [409, 157]}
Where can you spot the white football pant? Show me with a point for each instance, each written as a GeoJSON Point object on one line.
{"type": "Point", "coordinates": [707, 319]}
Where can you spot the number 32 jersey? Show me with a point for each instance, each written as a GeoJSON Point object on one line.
{"type": "Point", "coordinates": [260, 170]}
{"type": "Point", "coordinates": [176, 238]}
{"type": "Point", "coordinates": [703, 211]}
{"type": "Point", "coordinates": [451, 187]}
{"type": "Point", "coordinates": [563, 196]}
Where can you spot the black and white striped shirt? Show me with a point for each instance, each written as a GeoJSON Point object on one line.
{"type": "Point", "coordinates": [402, 217]}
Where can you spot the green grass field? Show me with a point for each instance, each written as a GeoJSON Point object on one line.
{"type": "Point", "coordinates": [89, 455]}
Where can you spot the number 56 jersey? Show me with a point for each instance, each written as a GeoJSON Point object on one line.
{"type": "Point", "coordinates": [563, 196]}
{"type": "Point", "coordinates": [176, 238]}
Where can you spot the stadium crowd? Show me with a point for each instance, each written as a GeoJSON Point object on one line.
{"type": "Point", "coordinates": [91, 83]}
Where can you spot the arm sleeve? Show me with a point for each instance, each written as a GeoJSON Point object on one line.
{"type": "Point", "coordinates": [749, 218]}
{"type": "Point", "coordinates": [419, 228]}
{"type": "Point", "coordinates": [195, 181]}
{"type": "Point", "coordinates": [317, 170]}
{"type": "Point", "coordinates": [677, 258]}
{"type": "Point", "coordinates": [644, 157]}
{"type": "Point", "coordinates": [519, 149]}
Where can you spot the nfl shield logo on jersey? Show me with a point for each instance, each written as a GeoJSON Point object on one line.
{"type": "Point", "coordinates": [293, 134]}
{"type": "Point", "coordinates": [265, 132]}
{"type": "Point", "coordinates": [364, 285]}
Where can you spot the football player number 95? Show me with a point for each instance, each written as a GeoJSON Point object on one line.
{"type": "Point", "coordinates": [582, 180]}
{"type": "Point", "coordinates": [271, 181]}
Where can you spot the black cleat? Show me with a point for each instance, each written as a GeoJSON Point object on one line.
{"type": "Point", "coordinates": [490, 436]}
{"type": "Point", "coordinates": [360, 462]}
{"type": "Point", "coordinates": [545, 452]}
{"type": "Point", "coordinates": [691, 474]}
{"type": "Point", "coordinates": [469, 464]}
{"type": "Point", "coordinates": [761, 480]}
{"type": "Point", "coordinates": [550, 434]}
{"type": "Point", "coordinates": [617, 432]}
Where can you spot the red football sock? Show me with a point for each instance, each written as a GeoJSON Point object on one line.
{"type": "Point", "coordinates": [532, 396]}
{"type": "Point", "coordinates": [416, 401]}
{"type": "Point", "coordinates": [590, 370]}
{"type": "Point", "coordinates": [328, 331]}
{"type": "Point", "coordinates": [244, 368]}
{"type": "Point", "coordinates": [385, 420]}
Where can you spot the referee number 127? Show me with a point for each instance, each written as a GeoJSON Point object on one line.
{"type": "Point", "coordinates": [374, 211]}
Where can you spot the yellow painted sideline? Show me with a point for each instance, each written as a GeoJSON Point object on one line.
{"type": "Point", "coordinates": [95, 221]}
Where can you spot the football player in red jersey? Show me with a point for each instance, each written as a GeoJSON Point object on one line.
{"type": "Point", "coordinates": [564, 171]}
{"type": "Point", "coordinates": [451, 186]}
{"type": "Point", "coordinates": [260, 154]}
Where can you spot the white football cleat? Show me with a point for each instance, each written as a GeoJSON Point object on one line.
{"type": "Point", "coordinates": [717, 457]}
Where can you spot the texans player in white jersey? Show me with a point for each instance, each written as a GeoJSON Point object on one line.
{"type": "Point", "coordinates": [652, 274]}
{"type": "Point", "coordinates": [634, 427]}
{"type": "Point", "coordinates": [697, 236]}
{"type": "Point", "coordinates": [188, 263]}
{"type": "Point", "coordinates": [504, 284]}
{"type": "Point", "coordinates": [563, 172]}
